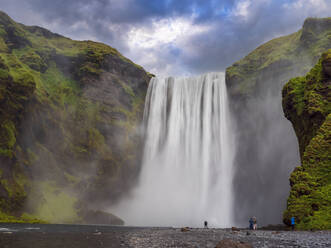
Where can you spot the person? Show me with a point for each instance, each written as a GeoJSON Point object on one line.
{"type": "Point", "coordinates": [206, 224]}
{"type": "Point", "coordinates": [251, 222]}
{"type": "Point", "coordinates": [292, 222]}
{"type": "Point", "coordinates": [254, 223]}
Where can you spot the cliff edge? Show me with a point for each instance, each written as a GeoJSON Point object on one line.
{"type": "Point", "coordinates": [307, 104]}
{"type": "Point", "coordinates": [69, 124]}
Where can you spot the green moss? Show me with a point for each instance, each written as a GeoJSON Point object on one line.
{"type": "Point", "coordinates": [309, 97]}
{"type": "Point", "coordinates": [58, 87]}
{"type": "Point", "coordinates": [14, 196]}
{"type": "Point", "coordinates": [34, 61]}
{"type": "Point", "coordinates": [96, 139]}
{"type": "Point", "coordinates": [295, 88]}
{"type": "Point", "coordinates": [306, 103]}
{"type": "Point", "coordinates": [55, 205]}
{"type": "Point", "coordinates": [24, 218]}
{"type": "Point", "coordinates": [46, 120]}
{"type": "Point", "coordinates": [127, 89]}
{"type": "Point", "coordinates": [89, 69]}
{"type": "Point", "coordinates": [8, 138]}
{"type": "Point", "coordinates": [4, 74]}
{"type": "Point", "coordinates": [290, 54]}
{"type": "Point", "coordinates": [12, 61]}
{"type": "Point", "coordinates": [3, 46]}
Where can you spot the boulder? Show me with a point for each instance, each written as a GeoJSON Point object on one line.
{"type": "Point", "coordinates": [185, 229]}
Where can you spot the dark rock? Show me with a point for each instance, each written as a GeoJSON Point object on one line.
{"type": "Point", "coordinates": [185, 229]}
{"type": "Point", "coordinates": [326, 64]}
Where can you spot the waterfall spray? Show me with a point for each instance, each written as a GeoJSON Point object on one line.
{"type": "Point", "coordinates": [186, 175]}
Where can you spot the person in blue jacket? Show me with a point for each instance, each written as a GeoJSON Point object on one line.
{"type": "Point", "coordinates": [251, 222]}
{"type": "Point", "coordinates": [292, 222]}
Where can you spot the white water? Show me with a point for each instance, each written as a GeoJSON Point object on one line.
{"type": "Point", "coordinates": [186, 175]}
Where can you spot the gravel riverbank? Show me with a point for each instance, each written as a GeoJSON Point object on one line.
{"type": "Point", "coordinates": [90, 236]}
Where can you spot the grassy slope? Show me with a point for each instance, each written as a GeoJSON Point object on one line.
{"type": "Point", "coordinates": [40, 79]}
{"type": "Point", "coordinates": [281, 54]}
{"type": "Point", "coordinates": [307, 104]}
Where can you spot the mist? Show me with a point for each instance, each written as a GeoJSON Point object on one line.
{"type": "Point", "coordinates": [264, 152]}
{"type": "Point", "coordinates": [186, 175]}
{"type": "Point", "coordinates": [267, 151]}
{"type": "Point", "coordinates": [81, 149]}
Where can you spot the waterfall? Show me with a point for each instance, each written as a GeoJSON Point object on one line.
{"type": "Point", "coordinates": [186, 175]}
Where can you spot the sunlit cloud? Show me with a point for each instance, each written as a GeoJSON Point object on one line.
{"type": "Point", "coordinates": [172, 37]}
{"type": "Point", "coordinates": [164, 31]}
{"type": "Point", "coordinates": [242, 9]}
{"type": "Point", "coordinates": [312, 6]}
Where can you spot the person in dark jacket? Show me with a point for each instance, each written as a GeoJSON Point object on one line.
{"type": "Point", "coordinates": [251, 222]}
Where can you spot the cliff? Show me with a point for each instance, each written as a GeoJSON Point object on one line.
{"type": "Point", "coordinates": [307, 104]}
{"type": "Point", "coordinates": [267, 147]}
{"type": "Point", "coordinates": [292, 54]}
{"type": "Point", "coordinates": [69, 124]}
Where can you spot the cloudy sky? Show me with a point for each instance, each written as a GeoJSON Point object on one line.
{"type": "Point", "coordinates": [171, 37]}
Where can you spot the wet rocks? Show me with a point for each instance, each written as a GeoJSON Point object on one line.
{"type": "Point", "coordinates": [86, 236]}
{"type": "Point", "coordinates": [100, 217]}
{"type": "Point", "coordinates": [229, 243]}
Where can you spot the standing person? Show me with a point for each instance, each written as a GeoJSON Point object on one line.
{"type": "Point", "coordinates": [206, 224]}
{"type": "Point", "coordinates": [251, 222]}
{"type": "Point", "coordinates": [292, 222]}
{"type": "Point", "coordinates": [254, 223]}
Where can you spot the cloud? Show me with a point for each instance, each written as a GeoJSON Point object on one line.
{"type": "Point", "coordinates": [308, 7]}
{"type": "Point", "coordinates": [242, 9]}
{"type": "Point", "coordinates": [164, 31]}
{"type": "Point", "coordinates": [168, 36]}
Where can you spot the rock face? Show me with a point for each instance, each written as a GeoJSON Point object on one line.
{"type": "Point", "coordinates": [267, 149]}
{"type": "Point", "coordinates": [307, 104]}
{"type": "Point", "coordinates": [69, 123]}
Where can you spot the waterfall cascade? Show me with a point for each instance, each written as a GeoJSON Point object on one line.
{"type": "Point", "coordinates": [186, 175]}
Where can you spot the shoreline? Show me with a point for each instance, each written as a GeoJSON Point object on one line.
{"type": "Point", "coordinates": [84, 236]}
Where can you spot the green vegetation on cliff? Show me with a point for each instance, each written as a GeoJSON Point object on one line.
{"type": "Point", "coordinates": [68, 113]}
{"type": "Point", "coordinates": [267, 147]}
{"type": "Point", "coordinates": [307, 104]}
{"type": "Point", "coordinates": [293, 54]}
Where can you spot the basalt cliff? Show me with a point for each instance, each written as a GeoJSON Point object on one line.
{"type": "Point", "coordinates": [70, 113]}
{"type": "Point", "coordinates": [267, 147]}
{"type": "Point", "coordinates": [307, 104]}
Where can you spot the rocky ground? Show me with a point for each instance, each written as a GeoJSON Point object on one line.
{"type": "Point", "coordinates": [83, 236]}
